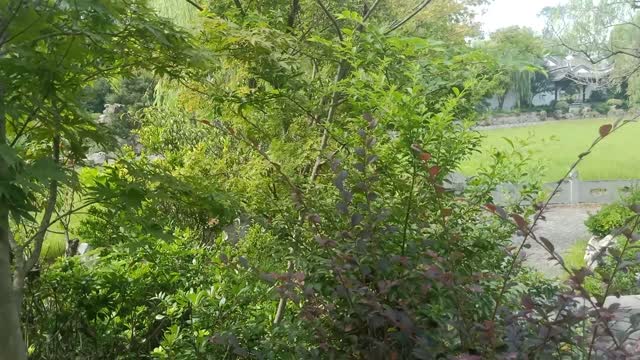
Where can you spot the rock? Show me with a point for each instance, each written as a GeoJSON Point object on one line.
{"type": "Point", "coordinates": [155, 157]}
{"type": "Point", "coordinates": [542, 115]}
{"type": "Point", "coordinates": [83, 248]}
{"type": "Point", "coordinates": [596, 249]}
{"type": "Point", "coordinates": [110, 113]}
{"type": "Point", "coordinates": [558, 114]}
{"type": "Point", "coordinates": [235, 231]}
{"type": "Point", "coordinates": [75, 247]}
{"type": "Point", "coordinates": [97, 159]}
{"type": "Point", "coordinates": [615, 113]}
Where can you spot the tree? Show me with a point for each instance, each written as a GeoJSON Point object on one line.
{"type": "Point", "coordinates": [521, 53]}
{"type": "Point", "coordinates": [604, 32]}
{"type": "Point", "coordinates": [49, 51]}
{"type": "Point", "coordinates": [446, 20]}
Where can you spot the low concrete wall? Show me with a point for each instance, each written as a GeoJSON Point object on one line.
{"type": "Point", "coordinates": [572, 190]}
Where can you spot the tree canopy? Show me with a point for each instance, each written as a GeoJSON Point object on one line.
{"type": "Point", "coordinates": [288, 190]}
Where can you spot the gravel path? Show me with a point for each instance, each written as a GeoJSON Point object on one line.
{"type": "Point", "coordinates": [564, 226]}
{"type": "Point", "coordinates": [525, 124]}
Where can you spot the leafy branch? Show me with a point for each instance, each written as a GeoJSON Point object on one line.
{"type": "Point", "coordinates": [604, 131]}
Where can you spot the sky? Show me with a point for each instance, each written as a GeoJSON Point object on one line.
{"type": "Point", "coordinates": [504, 13]}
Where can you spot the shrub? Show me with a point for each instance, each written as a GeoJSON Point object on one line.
{"type": "Point", "coordinates": [601, 108]}
{"type": "Point", "coordinates": [625, 282]}
{"type": "Point", "coordinates": [615, 103]}
{"type": "Point", "coordinates": [607, 219]}
{"type": "Point", "coordinates": [562, 106]}
{"type": "Point", "coordinates": [598, 96]}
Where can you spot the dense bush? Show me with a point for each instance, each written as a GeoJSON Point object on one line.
{"type": "Point", "coordinates": [161, 300]}
{"type": "Point", "coordinates": [601, 108]}
{"type": "Point", "coordinates": [599, 95]}
{"type": "Point", "coordinates": [626, 281]}
{"type": "Point", "coordinates": [562, 106]}
{"type": "Point", "coordinates": [608, 219]}
{"type": "Point", "coordinates": [293, 199]}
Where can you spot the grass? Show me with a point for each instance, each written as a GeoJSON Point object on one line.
{"type": "Point", "coordinates": [558, 143]}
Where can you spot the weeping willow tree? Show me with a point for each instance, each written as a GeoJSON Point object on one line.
{"type": "Point", "coordinates": [626, 38]}
{"type": "Point", "coordinates": [523, 86]}
{"type": "Point", "coordinates": [185, 15]}
{"type": "Point", "coordinates": [180, 11]}
{"type": "Point", "coordinates": [520, 53]}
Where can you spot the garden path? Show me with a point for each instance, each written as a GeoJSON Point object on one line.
{"type": "Point", "coordinates": [564, 226]}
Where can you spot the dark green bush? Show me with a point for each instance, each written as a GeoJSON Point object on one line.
{"type": "Point", "coordinates": [562, 106]}
{"type": "Point", "coordinates": [625, 281]}
{"type": "Point", "coordinates": [601, 108]}
{"type": "Point", "coordinates": [607, 219]}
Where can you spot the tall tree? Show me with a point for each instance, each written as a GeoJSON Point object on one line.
{"type": "Point", "coordinates": [521, 53]}
{"type": "Point", "coordinates": [605, 32]}
{"type": "Point", "coordinates": [49, 51]}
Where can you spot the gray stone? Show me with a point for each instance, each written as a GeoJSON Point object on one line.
{"type": "Point", "coordinates": [110, 113]}
{"type": "Point", "coordinates": [83, 248]}
{"type": "Point", "coordinates": [596, 250]}
{"type": "Point", "coordinates": [237, 230]}
{"type": "Point", "coordinates": [97, 159]}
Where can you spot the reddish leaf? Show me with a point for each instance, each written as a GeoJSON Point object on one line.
{"type": "Point", "coordinates": [206, 122]}
{"type": "Point", "coordinates": [446, 212]}
{"type": "Point", "coordinates": [314, 218]}
{"type": "Point", "coordinates": [425, 156]}
{"type": "Point", "coordinates": [527, 302]}
{"type": "Point", "coordinates": [490, 207]}
{"type": "Point", "coordinates": [434, 171]}
{"type": "Point", "coordinates": [520, 222]}
{"type": "Point", "coordinates": [605, 129]}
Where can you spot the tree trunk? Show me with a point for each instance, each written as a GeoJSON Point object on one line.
{"type": "Point", "coordinates": [501, 101]}
{"type": "Point", "coordinates": [12, 345]}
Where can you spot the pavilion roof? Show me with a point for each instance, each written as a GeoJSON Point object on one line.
{"type": "Point", "coordinates": [578, 69]}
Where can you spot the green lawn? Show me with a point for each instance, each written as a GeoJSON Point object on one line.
{"type": "Point", "coordinates": [558, 144]}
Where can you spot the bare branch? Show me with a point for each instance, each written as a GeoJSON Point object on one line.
{"type": "Point", "coordinates": [371, 10]}
{"type": "Point", "coordinates": [397, 24]}
{"type": "Point", "coordinates": [293, 13]}
{"type": "Point", "coordinates": [194, 4]}
{"type": "Point", "coordinates": [332, 18]}
{"type": "Point", "coordinates": [335, 101]}
{"type": "Point", "coordinates": [531, 235]}
{"type": "Point", "coordinates": [239, 6]}
{"type": "Point", "coordinates": [38, 239]}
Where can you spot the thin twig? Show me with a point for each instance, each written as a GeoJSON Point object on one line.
{"type": "Point", "coordinates": [409, 205]}
{"type": "Point", "coordinates": [608, 288]}
{"type": "Point", "coordinates": [332, 18]}
{"type": "Point", "coordinates": [371, 10]}
{"type": "Point", "coordinates": [239, 6]}
{"type": "Point", "coordinates": [282, 304]}
{"type": "Point", "coordinates": [195, 5]}
{"type": "Point", "coordinates": [416, 11]}
{"type": "Point", "coordinates": [530, 233]}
